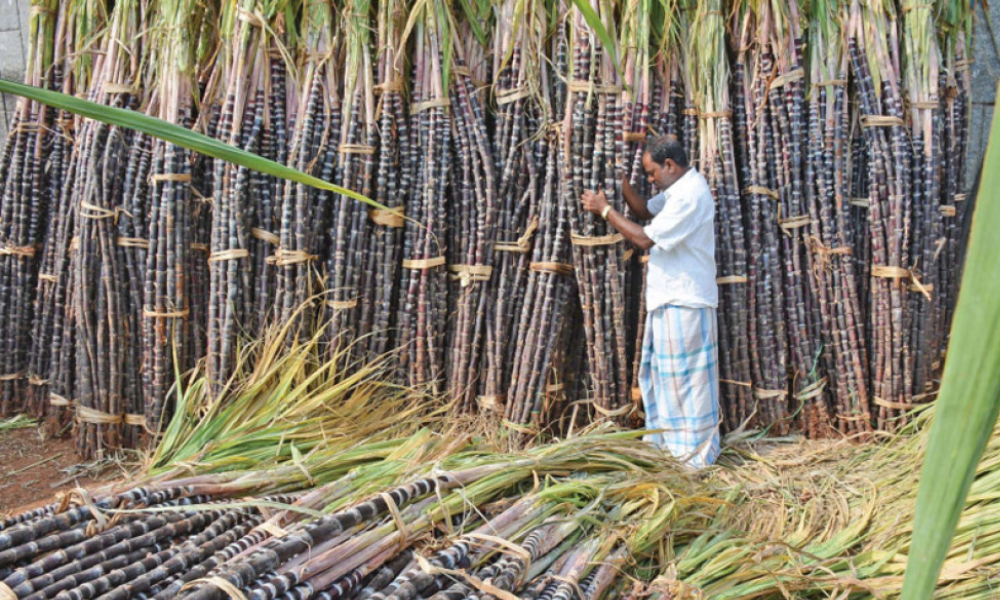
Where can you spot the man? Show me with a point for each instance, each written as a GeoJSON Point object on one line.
{"type": "Point", "coordinates": [679, 375]}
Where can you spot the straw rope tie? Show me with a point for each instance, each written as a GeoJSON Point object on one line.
{"type": "Point", "coordinates": [762, 394]}
{"type": "Point", "coordinates": [627, 255]}
{"type": "Point", "coordinates": [5, 592]}
{"type": "Point", "coordinates": [230, 254]}
{"type": "Point", "coordinates": [591, 87]}
{"type": "Point", "coordinates": [739, 383]}
{"type": "Point", "coordinates": [925, 105]}
{"type": "Point", "coordinates": [224, 586]}
{"type": "Point", "coordinates": [135, 420]}
{"type": "Point", "coordinates": [513, 95]}
{"type": "Point", "coordinates": [174, 177]}
{"type": "Point", "coordinates": [420, 107]}
{"type": "Point", "coordinates": [787, 78]}
{"type": "Point", "coordinates": [130, 242]}
{"type": "Point", "coordinates": [948, 211]}
{"type": "Point", "coordinates": [612, 413]}
{"type": "Point", "coordinates": [893, 272]}
{"type": "Point", "coordinates": [201, 247]}
{"type": "Point", "coordinates": [893, 405]}
{"type": "Point", "coordinates": [764, 191]}
{"type": "Point", "coordinates": [423, 263]}
{"type": "Point", "coordinates": [404, 533]}
{"type": "Point", "coordinates": [87, 414]}
{"type": "Point", "coordinates": [22, 251]}
{"type": "Point", "coordinates": [599, 240]}
{"type": "Point", "coordinates": [551, 267]}
{"type": "Point", "coordinates": [387, 218]}
{"type": "Point", "coordinates": [265, 236]}
{"type": "Point", "coordinates": [691, 112]}
{"type": "Point", "coordinates": [34, 379]}
{"type": "Point", "coordinates": [794, 222]}
{"type": "Point", "coordinates": [12, 376]}
{"type": "Point", "coordinates": [283, 258]}
{"type": "Point", "coordinates": [725, 114]}
{"type": "Point", "coordinates": [522, 244]}
{"type": "Point", "coordinates": [356, 149]}
{"type": "Point", "coordinates": [555, 387]}
{"type": "Point", "coordinates": [881, 121]}
{"type": "Point", "coordinates": [727, 279]}
{"type": "Point", "coordinates": [57, 400]}
{"type": "Point", "coordinates": [644, 259]}
{"type": "Point", "coordinates": [47, 277]}
{"type": "Point", "coordinates": [636, 393]}
{"type": "Point", "coordinates": [961, 197]}
{"type": "Point", "coordinates": [92, 211]}
{"type": "Point", "coordinates": [165, 314]}
{"type": "Point", "coordinates": [860, 202]}
{"type": "Point", "coordinates": [823, 253]}
{"type": "Point", "coordinates": [812, 390]}
{"type": "Point", "coordinates": [634, 136]}
{"type": "Point", "coordinates": [467, 274]}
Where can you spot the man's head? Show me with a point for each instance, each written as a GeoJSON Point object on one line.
{"type": "Point", "coordinates": [664, 161]}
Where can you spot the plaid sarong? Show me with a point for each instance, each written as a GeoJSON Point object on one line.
{"type": "Point", "coordinates": [679, 379]}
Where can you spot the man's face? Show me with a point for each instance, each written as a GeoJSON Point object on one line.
{"type": "Point", "coordinates": [660, 176]}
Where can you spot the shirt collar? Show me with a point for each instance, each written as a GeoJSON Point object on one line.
{"type": "Point", "coordinates": [679, 184]}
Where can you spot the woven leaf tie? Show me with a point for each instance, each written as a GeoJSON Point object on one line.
{"type": "Point", "coordinates": [387, 218]}
{"type": "Point", "coordinates": [522, 244]}
{"type": "Point", "coordinates": [467, 274]}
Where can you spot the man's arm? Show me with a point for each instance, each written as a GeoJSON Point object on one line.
{"type": "Point", "coordinates": [632, 231]}
{"type": "Point", "coordinates": [636, 202]}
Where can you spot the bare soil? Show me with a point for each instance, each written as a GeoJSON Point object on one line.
{"type": "Point", "coordinates": [35, 467]}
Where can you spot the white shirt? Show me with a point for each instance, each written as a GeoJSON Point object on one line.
{"type": "Point", "coordinates": [681, 267]}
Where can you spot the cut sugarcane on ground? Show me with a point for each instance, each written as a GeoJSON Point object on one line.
{"type": "Point", "coordinates": [319, 496]}
{"type": "Point", "coordinates": [832, 133]}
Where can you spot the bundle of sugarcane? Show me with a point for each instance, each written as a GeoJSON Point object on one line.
{"type": "Point", "coordinates": [472, 218]}
{"type": "Point", "coordinates": [922, 81]}
{"type": "Point", "coordinates": [167, 309]}
{"type": "Point", "coordinates": [828, 191]}
{"type": "Point", "coordinates": [955, 28]}
{"type": "Point", "coordinates": [874, 53]}
{"type": "Point", "coordinates": [424, 285]}
{"type": "Point", "coordinates": [100, 278]}
{"type": "Point", "coordinates": [242, 200]}
{"type": "Point", "coordinates": [355, 163]}
{"type": "Point", "coordinates": [592, 131]}
{"type": "Point", "coordinates": [708, 74]}
{"type": "Point", "coordinates": [537, 377]}
{"type": "Point", "coordinates": [304, 209]}
{"type": "Point", "coordinates": [520, 179]}
{"type": "Point", "coordinates": [767, 331]}
{"type": "Point", "coordinates": [392, 181]}
{"type": "Point", "coordinates": [24, 206]}
{"type": "Point", "coordinates": [51, 371]}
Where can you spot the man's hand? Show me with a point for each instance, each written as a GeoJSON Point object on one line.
{"type": "Point", "coordinates": [594, 203]}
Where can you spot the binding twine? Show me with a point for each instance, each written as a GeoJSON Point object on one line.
{"type": "Point", "coordinates": [224, 586]}
{"type": "Point", "coordinates": [892, 272]}
{"type": "Point", "coordinates": [22, 251]}
{"type": "Point", "coordinates": [522, 244]}
{"type": "Point", "coordinates": [231, 254]}
{"type": "Point", "coordinates": [423, 263]}
{"type": "Point", "coordinates": [551, 267]}
{"type": "Point", "coordinates": [283, 258]}
{"type": "Point", "coordinates": [591, 241]}
{"type": "Point", "coordinates": [467, 274]}
{"type": "Point", "coordinates": [265, 236]}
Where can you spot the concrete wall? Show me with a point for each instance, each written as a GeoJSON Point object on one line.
{"type": "Point", "coordinates": [13, 49]}
{"type": "Point", "coordinates": [985, 70]}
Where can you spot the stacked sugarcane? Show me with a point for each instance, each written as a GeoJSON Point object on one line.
{"type": "Point", "coordinates": [471, 218]}
{"type": "Point", "coordinates": [424, 284]}
{"type": "Point", "coordinates": [243, 201]}
{"type": "Point", "coordinates": [52, 348]}
{"type": "Point", "coordinates": [874, 53]}
{"type": "Point", "coordinates": [767, 326]}
{"type": "Point", "coordinates": [592, 129]}
{"type": "Point", "coordinates": [24, 206]}
{"type": "Point", "coordinates": [520, 168]}
{"type": "Point", "coordinates": [391, 184]}
{"type": "Point", "coordinates": [525, 140]}
{"type": "Point", "coordinates": [829, 191]}
{"type": "Point", "coordinates": [100, 282]}
{"type": "Point", "coordinates": [716, 160]}
{"type": "Point", "coordinates": [355, 164]}
{"type": "Point", "coordinates": [304, 210]}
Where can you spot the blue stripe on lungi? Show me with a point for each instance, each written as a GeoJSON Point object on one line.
{"type": "Point", "coordinates": [679, 379]}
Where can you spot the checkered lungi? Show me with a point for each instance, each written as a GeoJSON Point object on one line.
{"type": "Point", "coordinates": [679, 379]}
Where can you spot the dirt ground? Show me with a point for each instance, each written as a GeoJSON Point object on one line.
{"type": "Point", "coordinates": [35, 466]}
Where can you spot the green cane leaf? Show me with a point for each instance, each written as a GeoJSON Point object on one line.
{"type": "Point", "coordinates": [969, 400]}
{"type": "Point", "coordinates": [175, 134]}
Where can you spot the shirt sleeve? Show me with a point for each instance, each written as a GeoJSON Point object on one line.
{"type": "Point", "coordinates": [655, 204]}
{"type": "Point", "coordinates": [675, 221]}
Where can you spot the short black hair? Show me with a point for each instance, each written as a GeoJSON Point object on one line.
{"type": "Point", "coordinates": [667, 146]}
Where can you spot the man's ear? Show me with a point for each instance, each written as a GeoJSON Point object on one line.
{"type": "Point", "coordinates": [669, 165]}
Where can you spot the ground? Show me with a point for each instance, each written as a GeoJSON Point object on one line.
{"type": "Point", "coordinates": [35, 466]}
